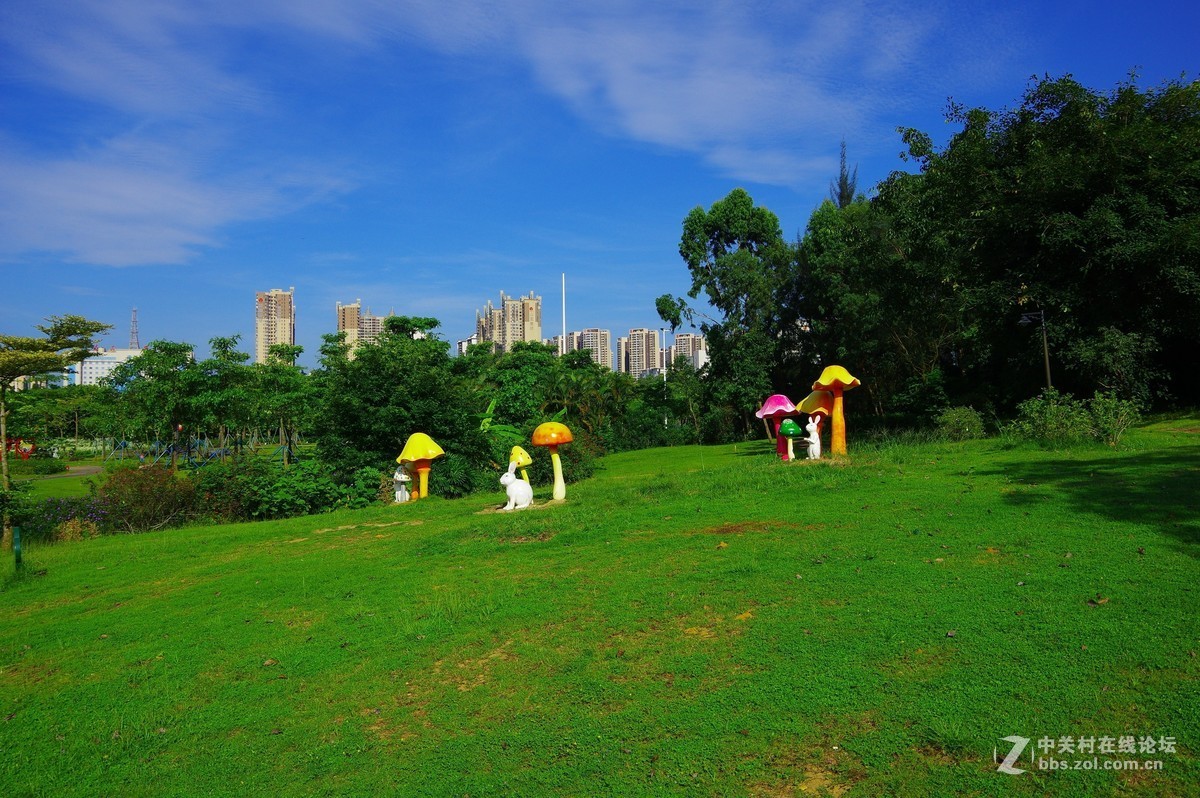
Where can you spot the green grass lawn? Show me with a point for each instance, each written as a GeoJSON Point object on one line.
{"type": "Point", "coordinates": [693, 621]}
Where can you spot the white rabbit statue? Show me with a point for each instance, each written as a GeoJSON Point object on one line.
{"type": "Point", "coordinates": [520, 493]}
{"type": "Point", "coordinates": [814, 440]}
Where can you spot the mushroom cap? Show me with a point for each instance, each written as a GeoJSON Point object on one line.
{"type": "Point", "coordinates": [520, 457]}
{"type": "Point", "coordinates": [789, 429]}
{"type": "Point", "coordinates": [776, 406]}
{"type": "Point", "coordinates": [817, 403]}
{"type": "Point", "coordinates": [835, 377]}
{"type": "Point", "coordinates": [552, 433]}
{"type": "Point", "coordinates": [419, 447]}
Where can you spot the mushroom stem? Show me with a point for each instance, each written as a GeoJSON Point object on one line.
{"type": "Point", "coordinates": [560, 485]}
{"type": "Point", "coordinates": [791, 454]}
{"type": "Point", "coordinates": [422, 467]}
{"type": "Point", "coordinates": [525, 476]}
{"type": "Point", "coordinates": [780, 441]}
{"type": "Point", "coordinates": [837, 437]}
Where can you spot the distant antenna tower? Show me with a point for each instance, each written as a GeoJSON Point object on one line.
{"type": "Point", "coordinates": [133, 336]}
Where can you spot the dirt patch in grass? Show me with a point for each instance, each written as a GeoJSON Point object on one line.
{"type": "Point", "coordinates": [539, 538]}
{"type": "Point", "coordinates": [499, 508]}
{"type": "Point", "coordinates": [755, 527]}
{"type": "Point", "coordinates": [468, 674]}
{"type": "Point", "coordinates": [920, 664]}
{"type": "Point", "coordinates": [834, 775]}
{"type": "Point", "coordinates": [813, 781]}
{"type": "Point", "coordinates": [377, 525]}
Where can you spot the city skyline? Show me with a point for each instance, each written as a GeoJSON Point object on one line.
{"type": "Point", "coordinates": [428, 155]}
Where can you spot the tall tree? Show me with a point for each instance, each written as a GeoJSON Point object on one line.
{"type": "Point", "coordinates": [284, 394]}
{"type": "Point", "coordinates": [1084, 205]}
{"type": "Point", "coordinates": [67, 340]}
{"type": "Point", "coordinates": [739, 261]}
{"type": "Point", "coordinates": [844, 190]}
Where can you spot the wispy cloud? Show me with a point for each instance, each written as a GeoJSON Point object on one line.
{"type": "Point", "coordinates": [109, 208]}
{"type": "Point", "coordinates": [165, 101]}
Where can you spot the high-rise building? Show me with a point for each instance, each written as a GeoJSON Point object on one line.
{"type": "Point", "coordinates": [622, 359]}
{"type": "Point", "coordinates": [644, 354]}
{"type": "Point", "coordinates": [518, 319]}
{"type": "Point", "coordinates": [274, 321]}
{"type": "Point", "coordinates": [466, 343]}
{"type": "Point", "coordinates": [598, 341]}
{"type": "Point", "coordinates": [359, 327]}
{"type": "Point", "coordinates": [691, 346]}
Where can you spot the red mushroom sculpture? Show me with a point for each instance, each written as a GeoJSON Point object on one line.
{"type": "Point", "coordinates": [777, 408]}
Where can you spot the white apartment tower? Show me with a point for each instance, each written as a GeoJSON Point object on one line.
{"type": "Point", "coordinates": [359, 327]}
{"type": "Point", "coordinates": [518, 319]}
{"type": "Point", "coordinates": [622, 355]}
{"type": "Point", "coordinates": [643, 351]}
{"type": "Point", "coordinates": [274, 321]}
{"type": "Point", "coordinates": [691, 346]}
{"type": "Point", "coordinates": [598, 341]}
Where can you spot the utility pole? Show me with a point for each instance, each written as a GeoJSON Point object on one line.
{"type": "Point", "coordinates": [1040, 316]}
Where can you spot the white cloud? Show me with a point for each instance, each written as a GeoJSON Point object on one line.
{"type": "Point", "coordinates": [166, 103]}
{"type": "Point", "coordinates": [122, 211]}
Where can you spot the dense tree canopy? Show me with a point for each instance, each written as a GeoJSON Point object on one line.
{"type": "Point", "coordinates": [1080, 207]}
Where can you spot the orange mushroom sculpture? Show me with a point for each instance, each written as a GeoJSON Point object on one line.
{"type": "Point", "coordinates": [552, 435]}
{"type": "Point", "coordinates": [420, 451]}
{"type": "Point", "coordinates": [836, 380]}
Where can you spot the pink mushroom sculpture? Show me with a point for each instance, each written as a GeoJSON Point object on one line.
{"type": "Point", "coordinates": [777, 408]}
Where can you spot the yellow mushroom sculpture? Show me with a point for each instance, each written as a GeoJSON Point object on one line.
{"type": "Point", "coordinates": [420, 451]}
{"type": "Point", "coordinates": [836, 379]}
{"type": "Point", "coordinates": [818, 405]}
{"type": "Point", "coordinates": [552, 435]}
{"type": "Point", "coordinates": [523, 461]}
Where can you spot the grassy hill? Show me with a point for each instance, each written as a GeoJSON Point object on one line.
{"type": "Point", "coordinates": [693, 621]}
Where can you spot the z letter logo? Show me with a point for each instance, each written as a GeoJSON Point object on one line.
{"type": "Point", "coordinates": [1019, 744]}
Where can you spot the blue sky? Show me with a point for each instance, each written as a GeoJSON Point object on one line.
{"type": "Point", "coordinates": [425, 155]}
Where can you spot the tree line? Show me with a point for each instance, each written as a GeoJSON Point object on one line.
{"type": "Point", "coordinates": [1077, 209]}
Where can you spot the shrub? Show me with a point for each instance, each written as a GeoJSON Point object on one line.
{"type": "Point", "coordinates": [1054, 418]}
{"type": "Point", "coordinates": [245, 489]}
{"type": "Point", "coordinates": [145, 498]}
{"type": "Point", "coordinates": [39, 519]}
{"type": "Point", "coordinates": [1112, 417]}
{"type": "Point", "coordinates": [364, 488]}
{"type": "Point", "coordinates": [36, 466]}
{"type": "Point", "coordinates": [75, 529]}
{"type": "Point", "coordinates": [1059, 419]}
{"type": "Point", "coordinates": [960, 423]}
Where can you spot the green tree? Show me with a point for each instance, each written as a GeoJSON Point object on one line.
{"type": "Point", "coordinates": [1084, 205]}
{"type": "Point", "coordinates": [739, 261]}
{"type": "Point", "coordinates": [160, 392]}
{"type": "Point", "coordinates": [66, 340]}
{"type": "Point", "coordinates": [368, 405]}
{"type": "Point", "coordinates": [225, 394]}
{"type": "Point", "coordinates": [284, 395]}
{"type": "Point", "coordinates": [844, 190]}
